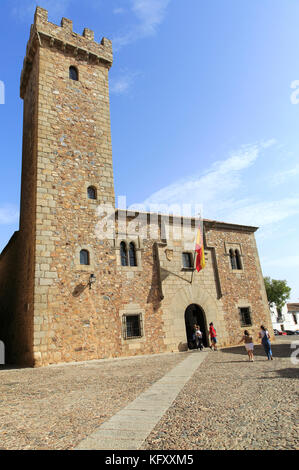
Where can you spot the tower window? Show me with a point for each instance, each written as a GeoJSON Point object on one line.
{"type": "Point", "coordinates": [84, 257]}
{"type": "Point", "coordinates": [91, 192]}
{"type": "Point", "coordinates": [132, 254]}
{"type": "Point", "coordinates": [73, 73]}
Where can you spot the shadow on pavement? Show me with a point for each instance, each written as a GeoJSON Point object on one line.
{"type": "Point", "coordinates": [290, 373]}
{"type": "Point", "coordinates": [278, 350]}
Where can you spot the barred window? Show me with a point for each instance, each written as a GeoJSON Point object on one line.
{"type": "Point", "coordinates": [132, 326]}
{"type": "Point", "coordinates": [187, 260]}
{"type": "Point", "coordinates": [245, 316]}
{"type": "Point", "coordinates": [73, 73]}
{"type": "Point", "coordinates": [84, 257]}
{"type": "Point", "coordinates": [132, 254]}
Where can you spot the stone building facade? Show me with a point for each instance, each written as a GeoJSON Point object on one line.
{"type": "Point", "coordinates": [70, 293]}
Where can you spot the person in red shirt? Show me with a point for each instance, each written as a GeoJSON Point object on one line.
{"type": "Point", "coordinates": [213, 337]}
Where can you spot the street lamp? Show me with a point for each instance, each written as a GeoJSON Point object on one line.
{"type": "Point", "coordinates": [92, 280]}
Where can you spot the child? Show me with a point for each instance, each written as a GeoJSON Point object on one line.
{"type": "Point", "coordinates": [198, 335]}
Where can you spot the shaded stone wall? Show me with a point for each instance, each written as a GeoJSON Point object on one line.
{"type": "Point", "coordinates": [240, 288]}
{"type": "Point", "coordinates": [8, 286]}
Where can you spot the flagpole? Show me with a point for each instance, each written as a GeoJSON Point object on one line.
{"type": "Point", "coordinates": [194, 259]}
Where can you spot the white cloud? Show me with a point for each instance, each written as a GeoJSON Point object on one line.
{"type": "Point", "coordinates": [118, 11]}
{"type": "Point", "coordinates": [8, 214]}
{"type": "Point", "coordinates": [150, 14]}
{"type": "Point", "coordinates": [284, 175]}
{"type": "Point", "coordinates": [265, 213]}
{"type": "Point", "coordinates": [123, 83]}
{"type": "Point", "coordinates": [215, 189]}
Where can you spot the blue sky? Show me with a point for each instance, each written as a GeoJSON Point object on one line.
{"type": "Point", "coordinates": [202, 110]}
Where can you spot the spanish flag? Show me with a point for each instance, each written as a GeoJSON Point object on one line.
{"type": "Point", "coordinates": [199, 248]}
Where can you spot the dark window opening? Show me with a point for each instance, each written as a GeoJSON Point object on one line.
{"type": "Point", "coordinates": [132, 254]}
{"type": "Point", "coordinates": [123, 254]}
{"type": "Point", "coordinates": [187, 260]}
{"type": "Point", "coordinates": [238, 259]}
{"type": "Point", "coordinates": [91, 192]}
{"type": "Point", "coordinates": [245, 316]}
{"type": "Point", "coordinates": [232, 259]}
{"type": "Point", "coordinates": [73, 73]}
{"type": "Point", "coordinates": [132, 326]}
{"type": "Point", "coordinates": [84, 257]}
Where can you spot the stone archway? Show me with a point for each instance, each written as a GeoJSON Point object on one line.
{"type": "Point", "coordinates": [194, 314]}
{"type": "Point", "coordinates": [175, 314]}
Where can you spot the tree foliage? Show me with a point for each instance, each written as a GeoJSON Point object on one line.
{"type": "Point", "coordinates": [278, 292]}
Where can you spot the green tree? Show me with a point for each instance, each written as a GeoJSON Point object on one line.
{"type": "Point", "coordinates": [278, 292]}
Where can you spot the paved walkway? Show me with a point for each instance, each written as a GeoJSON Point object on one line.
{"type": "Point", "coordinates": [128, 429]}
{"type": "Point", "coordinates": [179, 401]}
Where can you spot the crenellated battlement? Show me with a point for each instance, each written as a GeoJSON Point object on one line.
{"type": "Point", "coordinates": [46, 34]}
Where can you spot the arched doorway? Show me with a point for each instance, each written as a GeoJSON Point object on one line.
{"type": "Point", "coordinates": [195, 314]}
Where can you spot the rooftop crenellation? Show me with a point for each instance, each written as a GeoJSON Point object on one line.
{"type": "Point", "coordinates": [43, 33]}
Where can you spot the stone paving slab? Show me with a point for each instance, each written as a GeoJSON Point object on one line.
{"type": "Point", "coordinates": [158, 397]}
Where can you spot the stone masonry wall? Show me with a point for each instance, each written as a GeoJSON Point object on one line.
{"type": "Point", "coordinates": [240, 288]}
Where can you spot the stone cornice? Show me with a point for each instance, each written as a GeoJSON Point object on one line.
{"type": "Point", "coordinates": [208, 224]}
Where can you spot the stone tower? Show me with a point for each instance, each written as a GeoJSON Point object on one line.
{"type": "Point", "coordinates": [66, 154]}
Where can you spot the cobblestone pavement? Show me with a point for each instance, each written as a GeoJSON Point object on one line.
{"type": "Point", "coordinates": [56, 407]}
{"type": "Point", "coordinates": [228, 403]}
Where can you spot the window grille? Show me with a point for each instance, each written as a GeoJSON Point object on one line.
{"type": "Point", "coordinates": [245, 316]}
{"type": "Point", "coordinates": [132, 326]}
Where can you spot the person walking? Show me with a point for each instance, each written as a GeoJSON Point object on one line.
{"type": "Point", "coordinates": [265, 337]}
{"type": "Point", "coordinates": [198, 336]}
{"type": "Point", "coordinates": [247, 339]}
{"type": "Point", "coordinates": [213, 336]}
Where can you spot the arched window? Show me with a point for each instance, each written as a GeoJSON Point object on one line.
{"type": "Point", "coordinates": [132, 254]}
{"type": "Point", "coordinates": [91, 192]}
{"type": "Point", "coordinates": [232, 259]}
{"type": "Point", "coordinates": [73, 73]}
{"type": "Point", "coordinates": [123, 254]}
{"type": "Point", "coordinates": [84, 257]}
{"type": "Point", "coordinates": [238, 259]}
